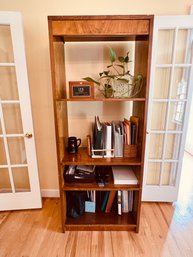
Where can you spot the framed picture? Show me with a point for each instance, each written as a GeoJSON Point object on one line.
{"type": "Point", "coordinates": [81, 90]}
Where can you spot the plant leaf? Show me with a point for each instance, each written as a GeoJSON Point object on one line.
{"type": "Point", "coordinates": [109, 66]}
{"type": "Point", "coordinates": [128, 73]}
{"type": "Point", "coordinates": [119, 65]}
{"type": "Point", "coordinates": [127, 58]}
{"type": "Point", "coordinates": [112, 55]}
{"type": "Point", "coordinates": [89, 79]}
{"type": "Point", "coordinates": [121, 59]}
{"type": "Point", "coordinates": [106, 72]}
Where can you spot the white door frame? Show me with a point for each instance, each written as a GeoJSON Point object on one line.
{"type": "Point", "coordinates": [32, 199]}
{"type": "Point", "coordinates": [162, 192]}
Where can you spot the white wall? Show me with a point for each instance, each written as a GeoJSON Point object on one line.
{"type": "Point", "coordinates": [37, 50]}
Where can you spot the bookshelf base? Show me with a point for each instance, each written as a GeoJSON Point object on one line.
{"type": "Point", "coordinates": [101, 221]}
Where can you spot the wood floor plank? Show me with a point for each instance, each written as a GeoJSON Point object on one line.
{"type": "Point", "coordinates": [165, 231]}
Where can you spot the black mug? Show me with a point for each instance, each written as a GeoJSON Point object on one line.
{"type": "Point", "coordinates": [73, 144]}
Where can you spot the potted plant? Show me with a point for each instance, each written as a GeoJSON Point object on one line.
{"type": "Point", "coordinates": [116, 76]}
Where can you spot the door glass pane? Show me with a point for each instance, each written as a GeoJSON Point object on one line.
{"type": "Point", "coordinates": [158, 118]}
{"type": "Point", "coordinates": [5, 184]}
{"type": "Point", "coordinates": [172, 146]}
{"type": "Point", "coordinates": [17, 150]}
{"type": "Point", "coordinates": [153, 176]}
{"type": "Point", "coordinates": [176, 115]}
{"type": "Point", "coordinates": [180, 83]}
{"type": "Point", "coordinates": [156, 146]}
{"type": "Point", "coordinates": [169, 174]}
{"type": "Point", "coordinates": [12, 117]}
{"type": "Point", "coordinates": [21, 179]}
{"type": "Point", "coordinates": [8, 85]}
{"type": "Point", "coordinates": [6, 50]}
{"type": "Point", "coordinates": [162, 82]}
{"type": "Point", "coordinates": [164, 54]}
{"type": "Point", "coordinates": [181, 44]}
{"type": "Point", "coordinates": [3, 160]}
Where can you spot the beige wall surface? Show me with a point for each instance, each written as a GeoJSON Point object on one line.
{"type": "Point", "coordinates": [34, 15]}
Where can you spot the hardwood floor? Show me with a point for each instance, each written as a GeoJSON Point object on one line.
{"type": "Point", "coordinates": [166, 230]}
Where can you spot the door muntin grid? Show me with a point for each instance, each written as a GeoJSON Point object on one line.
{"type": "Point", "coordinates": [171, 84]}
{"type": "Point", "coordinates": [14, 175]}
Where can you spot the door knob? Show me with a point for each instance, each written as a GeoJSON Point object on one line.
{"type": "Point", "coordinates": [28, 135]}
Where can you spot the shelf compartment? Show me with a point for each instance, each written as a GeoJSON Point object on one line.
{"type": "Point", "coordinates": [110, 186]}
{"type": "Point", "coordinates": [82, 158]}
{"type": "Point", "coordinates": [101, 221]}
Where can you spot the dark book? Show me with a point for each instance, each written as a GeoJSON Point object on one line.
{"type": "Point", "coordinates": [133, 134]}
{"type": "Point", "coordinates": [135, 120]}
{"type": "Point", "coordinates": [104, 201]}
{"type": "Point", "coordinates": [97, 136]}
{"type": "Point", "coordinates": [111, 198]}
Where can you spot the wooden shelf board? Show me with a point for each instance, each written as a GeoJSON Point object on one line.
{"type": "Point", "coordinates": [85, 227]}
{"type": "Point", "coordinates": [95, 186]}
{"type": "Point", "coordinates": [101, 221]}
{"type": "Point", "coordinates": [82, 158]}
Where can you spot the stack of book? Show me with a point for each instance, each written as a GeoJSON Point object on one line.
{"type": "Point", "coordinates": [121, 200]}
{"type": "Point", "coordinates": [122, 175]}
{"type": "Point", "coordinates": [109, 139]}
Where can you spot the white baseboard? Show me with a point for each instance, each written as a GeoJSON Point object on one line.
{"type": "Point", "coordinates": [53, 193]}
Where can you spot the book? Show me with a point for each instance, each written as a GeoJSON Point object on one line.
{"type": "Point", "coordinates": [118, 139]}
{"type": "Point", "coordinates": [125, 201]}
{"type": "Point", "coordinates": [133, 134]}
{"type": "Point", "coordinates": [110, 201]}
{"type": "Point", "coordinates": [130, 201]}
{"type": "Point", "coordinates": [104, 201]}
{"type": "Point", "coordinates": [119, 202]}
{"type": "Point", "coordinates": [135, 121]}
{"type": "Point", "coordinates": [124, 175]}
{"type": "Point", "coordinates": [97, 136]}
{"type": "Point", "coordinates": [127, 125]}
{"type": "Point", "coordinates": [108, 140]}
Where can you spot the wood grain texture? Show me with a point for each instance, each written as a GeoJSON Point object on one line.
{"type": "Point", "coordinates": [96, 28]}
{"type": "Point", "coordinates": [165, 231]}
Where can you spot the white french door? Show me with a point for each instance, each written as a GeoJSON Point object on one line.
{"type": "Point", "coordinates": [19, 182]}
{"type": "Point", "coordinates": [171, 84]}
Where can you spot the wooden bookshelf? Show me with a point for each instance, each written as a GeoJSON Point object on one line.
{"type": "Point", "coordinates": [62, 29]}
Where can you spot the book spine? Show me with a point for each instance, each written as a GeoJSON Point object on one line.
{"type": "Point", "coordinates": [125, 202]}
{"type": "Point", "coordinates": [119, 202]}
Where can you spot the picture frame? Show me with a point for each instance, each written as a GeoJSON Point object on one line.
{"type": "Point", "coordinates": [81, 90]}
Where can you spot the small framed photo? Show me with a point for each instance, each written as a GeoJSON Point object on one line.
{"type": "Point", "coordinates": [81, 90]}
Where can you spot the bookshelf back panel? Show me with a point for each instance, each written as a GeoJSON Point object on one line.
{"type": "Point", "coordinates": [81, 115]}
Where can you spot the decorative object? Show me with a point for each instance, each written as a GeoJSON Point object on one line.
{"type": "Point", "coordinates": [73, 144]}
{"type": "Point", "coordinates": [117, 81]}
{"type": "Point", "coordinates": [81, 89]}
